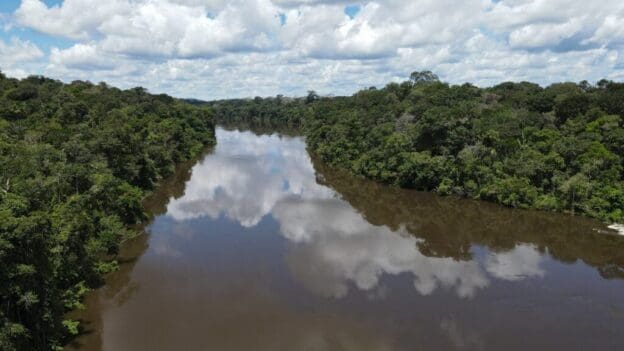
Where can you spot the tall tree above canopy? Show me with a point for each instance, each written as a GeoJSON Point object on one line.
{"type": "Point", "coordinates": [423, 77]}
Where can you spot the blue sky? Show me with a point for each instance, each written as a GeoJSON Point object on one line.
{"type": "Point", "coordinates": [9, 6]}
{"type": "Point", "coordinates": [42, 40]}
{"type": "Point", "coordinates": [238, 48]}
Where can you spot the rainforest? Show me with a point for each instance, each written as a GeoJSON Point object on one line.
{"type": "Point", "coordinates": [80, 161]}
{"type": "Point", "coordinates": [76, 161]}
{"type": "Point", "coordinates": [558, 148]}
{"type": "Point", "coordinates": [311, 175]}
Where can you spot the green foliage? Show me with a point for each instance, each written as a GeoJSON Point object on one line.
{"type": "Point", "coordinates": [423, 77]}
{"type": "Point", "coordinates": [513, 192]}
{"type": "Point", "coordinates": [555, 148]}
{"type": "Point", "coordinates": [76, 161]}
{"type": "Point", "coordinates": [71, 326]}
{"type": "Point", "coordinates": [272, 113]}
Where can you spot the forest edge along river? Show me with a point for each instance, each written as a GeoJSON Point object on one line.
{"type": "Point", "coordinates": [259, 246]}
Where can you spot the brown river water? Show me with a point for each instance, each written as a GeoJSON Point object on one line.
{"type": "Point", "coordinates": [259, 247]}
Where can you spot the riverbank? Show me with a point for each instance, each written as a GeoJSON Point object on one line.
{"type": "Point", "coordinates": [76, 161]}
{"type": "Point", "coordinates": [557, 148]}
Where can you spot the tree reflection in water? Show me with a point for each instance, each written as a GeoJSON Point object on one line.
{"type": "Point", "coordinates": [260, 247]}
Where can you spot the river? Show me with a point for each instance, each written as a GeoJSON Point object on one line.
{"type": "Point", "coordinates": [257, 246]}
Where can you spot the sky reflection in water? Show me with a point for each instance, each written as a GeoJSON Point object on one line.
{"type": "Point", "coordinates": [332, 245]}
{"type": "Point", "coordinates": [258, 246]}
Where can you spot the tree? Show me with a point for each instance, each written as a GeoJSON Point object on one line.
{"type": "Point", "coordinates": [571, 106]}
{"type": "Point", "coordinates": [576, 189]}
{"type": "Point", "coordinates": [76, 161]}
{"type": "Point", "coordinates": [423, 77]}
{"type": "Point", "coordinates": [527, 146]}
{"type": "Point", "coordinates": [312, 96]}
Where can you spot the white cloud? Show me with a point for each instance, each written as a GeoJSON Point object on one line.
{"type": "Point", "coordinates": [543, 35]}
{"type": "Point", "coordinates": [294, 3]}
{"type": "Point", "coordinates": [611, 30]}
{"type": "Point", "coordinates": [82, 56]}
{"type": "Point", "coordinates": [216, 49]}
{"type": "Point", "coordinates": [379, 29]}
{"type": "Point", "coordinates": [17, 50]}
{"type": "Point", "coordinates": [74, 19]}
{"type": "Point", "coordinates": [17, 56]}
{"type": "Point", "coordinates": [245, 27]}
{"type": "Point", "coordinates": [157, 27]}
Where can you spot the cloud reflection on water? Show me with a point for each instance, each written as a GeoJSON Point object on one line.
{"type": "Point", "coordinates": [332, 246]}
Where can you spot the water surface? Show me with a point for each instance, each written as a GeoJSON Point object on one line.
{"type": "Point", "coordinates": [259, 247]}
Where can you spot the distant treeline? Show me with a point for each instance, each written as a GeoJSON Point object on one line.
{"type": "Point", "coordinates": [76, 161]}
{"type": "Point", "coordinates": [273, 112]}
{"type": "Point", "coordinates": [559, 148]}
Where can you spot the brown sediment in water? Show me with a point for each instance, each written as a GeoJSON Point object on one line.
{"type": "Point", "coordinates": [259, 247]}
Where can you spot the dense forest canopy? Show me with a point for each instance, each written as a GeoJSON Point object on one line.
{"type": "Point", "coordinates": [76, 161]}
{"type": "Point", "coordinates": [273, 112]}
{"type": "Point", "coordinates": [558, 148]}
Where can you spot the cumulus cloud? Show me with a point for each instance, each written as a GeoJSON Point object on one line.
{"type": "Point", "coordinates": [157, 27]}
{"type": "Point", "coordinates": [197, 48]}
{"type": "Point", "coordinates": [17, 50]}
{"type": "Point", "coordinates": [76, 19]}
{"type": "Point", "coordinates": [16, 56]}
{"type": "Point", "coordinates": [82, 56]}
{"type": "Point", "coordinates": [611, 30]}
{"type": "Point", "coordinates": [379, 28]}
{"type": "Point", "coordinates": [544, 35]}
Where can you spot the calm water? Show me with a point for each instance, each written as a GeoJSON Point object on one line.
{"type": "Point", "coordinates": [258, 247]}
